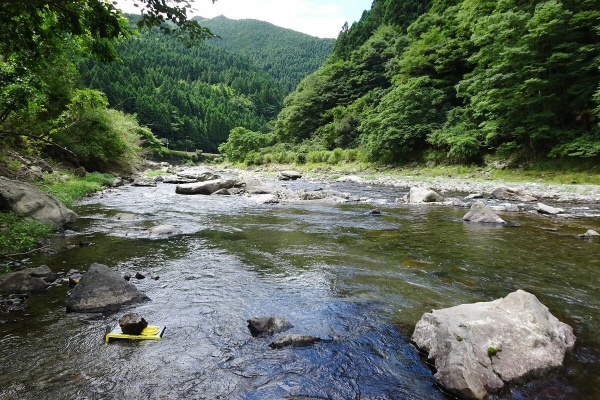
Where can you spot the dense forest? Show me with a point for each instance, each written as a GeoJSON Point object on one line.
{"type": "Point", "coordinates": [286, 55]}
{"type": "Point", "coordinates": [194, 96]}
{"type": "Point", "coordinates": [456, 81]}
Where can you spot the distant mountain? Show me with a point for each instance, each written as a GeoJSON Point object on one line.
{"type": "Point", "coordinates": [191, 96]}
{"type": "Point", "coordinates": [286, 55]}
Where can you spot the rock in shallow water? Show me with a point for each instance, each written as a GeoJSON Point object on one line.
{"type": "Point", "coordinates": [101, 290]}
{"type": "Point", "coordinates": [481, 212]}
{"type": "Point", "coordinates": [132, 324]}
{"type": "Point", "coordinates": [293, 340]}
{"type": "Point", "coordinates": [478, 347]}
{"type": "Point", "coordinates": [268, 325]}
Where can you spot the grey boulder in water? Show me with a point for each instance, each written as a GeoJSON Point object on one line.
{"type": "Point", "coordinates": [481, 212]}
{"type": "Point", "coordinates": [268, 325]}
{"type": "Point", "coordinates": [479, 347]}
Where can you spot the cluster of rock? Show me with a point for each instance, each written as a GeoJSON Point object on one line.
{"type": "Point", "coordinates": [477, 348]}
{"type": "Point", "coordinates": [266, 326]}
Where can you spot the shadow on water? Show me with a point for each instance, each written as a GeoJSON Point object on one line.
{"type": "Point", "coordinates": [357, 281]}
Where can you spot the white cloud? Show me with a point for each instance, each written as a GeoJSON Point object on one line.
{"type": "Point", "coordinates": [317, 18]}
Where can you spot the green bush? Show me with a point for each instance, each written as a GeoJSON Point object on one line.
{"type": "Point", "coordinates": [241, 142]}
{"type": "Point", "coordinates": [19, 234]}
{"type": "Point", "coordinates": [72, 189]}
{"type": "Point", "coordinates": [301, 158]}
{"type": "Point", "coordinates": [97, 138]}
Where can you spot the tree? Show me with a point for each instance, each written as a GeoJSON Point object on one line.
{"type": "Point", "coordinates": [36, 32]}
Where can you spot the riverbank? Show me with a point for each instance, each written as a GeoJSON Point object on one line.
{"type": "Point", "coordinates": [469, 183]}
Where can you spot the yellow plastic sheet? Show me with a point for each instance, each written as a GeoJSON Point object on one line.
{"type": "Point", "coordinates": [149, 333]}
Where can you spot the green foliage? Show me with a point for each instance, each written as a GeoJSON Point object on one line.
{"type": "Point", "coordinates": [19, 234]}
{"type": "Point", "coordinates": [517, 79]}
{"type": "Point", "coordinates": [35, 34]}
{"type": "Point", "coordinates": [97, 138]}
{"type": "Point", "coordinates": [492, 351]}
{"type": "Point", "coordinates": [191, 96]}
{"type": "Point", "coordinates": [587, 145]}
{"type": "Point", "coordinates": [242, 142]}
{"type": "Point", "coordinates": [402, 121]}
{"type": "Point", "coordinates": [72, 189]}
{"type": "Point", "coordinates": [270, 47]}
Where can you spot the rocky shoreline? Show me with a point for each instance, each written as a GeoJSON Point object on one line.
{"type": "Point", "coordinates": [573, 193]}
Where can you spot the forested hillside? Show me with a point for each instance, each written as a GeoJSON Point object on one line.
{"type": "Point", "coordinates": [287, 55]}
{"type": "Point", "coordinates": [191, 96]}
{"type": "Point", "coordinates": [456, 81]}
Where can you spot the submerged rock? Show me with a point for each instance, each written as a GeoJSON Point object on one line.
{"type": "Point", "coordinates": [481, 212]}
{"type": "Point", "coordinates": [29, 201]}
{"type": "Point", "coordinates": [164, 230]}
{"type": "Point", "coordinates": [30, 280]}
{"type": "Point", "coordinates": [293, 340]}
{"type": "Point", "coordinates": [132, 324]}
{"type": "Point", "coordinates": [268, 325]}
{"type": "Point", "coordinates": [545, 209]}
{"type": "Point", "coordinates": [589, 234]}
{"type": "Point", "coordinates": [101, 290]}
{"type": "Point", "coordinates": [478, 347]}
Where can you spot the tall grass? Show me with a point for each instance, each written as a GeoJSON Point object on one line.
{"type": "Point", "coordinates": [19, 234]}
{"type": "Point", "coordinates": [68, 188]}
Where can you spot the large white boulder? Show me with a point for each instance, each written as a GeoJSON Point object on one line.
{"type": "Point", "coordinates": [481, 212]}
{"type": "Point", "coordinates": [478, 347]}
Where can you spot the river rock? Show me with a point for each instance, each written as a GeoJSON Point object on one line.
{"type": "Point", "coordinates": [374, 213]}
{"type": "Point", "coordinates": [164, 230]}
{"type": "Point", "coordinates": [102, 290]}
{"type": "Point", "coordinates": [266, 199]}
{"type": "Point", "coordinates": [329, 196]}
{"type": "Point", "coordinates": [268, 325]}
{"type": "Point", "coordinates": [508, 207]}
{"type": "Point", "coordinates": [503, 193]}
{"type": "Point", "coordinates": [144, 182]}
{"type": "Point", "coordinates": [222, 192]}
{"type": "Point", "coordinates": [479, 347]}
{"type": "Point", "coordinates": [206, 188]}
{"type": "Point", "coordinates": [481, 212]}
{"type": "Point", "coordinates": [289, 175]}
{"type": "Point", "coordinates": [424, 195]}
{"type": "Point", "coordinates": [589, 234]}
{"type": "Point", "coordinates": [474, 196]}
{"type": "Point", "coordinates": [125, 217]}
{"type": "Point", "coordinates": [29, 201]}
{"type": "Point", "coordinates": [293, 340]}
{"type": "Point", "coordinates": [178, 180]}
{"type": "Point", "coordinates": [198, 175]}
{"type": "Point", "coordinates": [30, 280]}
{"type": "Point", "coordinates": [350, 179]}
{"type": "Point", "coordinates": [545, 209]}
{"type": "Point", "coordinates": [132, 324]}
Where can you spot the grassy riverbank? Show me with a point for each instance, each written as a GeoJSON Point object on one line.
{"type": "Point", "coordinates": [585, 172]}
{"type": "Point", "coordinates": [19, 235]}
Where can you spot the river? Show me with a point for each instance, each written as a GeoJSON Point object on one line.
{"type": "Point", "coordinates": [359, 281]}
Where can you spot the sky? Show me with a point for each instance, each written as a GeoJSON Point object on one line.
{"type": "Point", "coordinates": [321, 18]}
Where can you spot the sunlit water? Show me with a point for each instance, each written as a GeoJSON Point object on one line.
{"type": "Point", "coordinates": [360, 282]}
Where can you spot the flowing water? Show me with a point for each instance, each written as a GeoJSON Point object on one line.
{"type": "Point", "coordinates": [358, 281]}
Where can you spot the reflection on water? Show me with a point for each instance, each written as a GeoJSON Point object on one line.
{"type": "Point", "coordinates": [358, 281]}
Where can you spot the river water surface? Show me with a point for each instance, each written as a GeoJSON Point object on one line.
{"type": "Point", "coordinates": [360, 282]}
